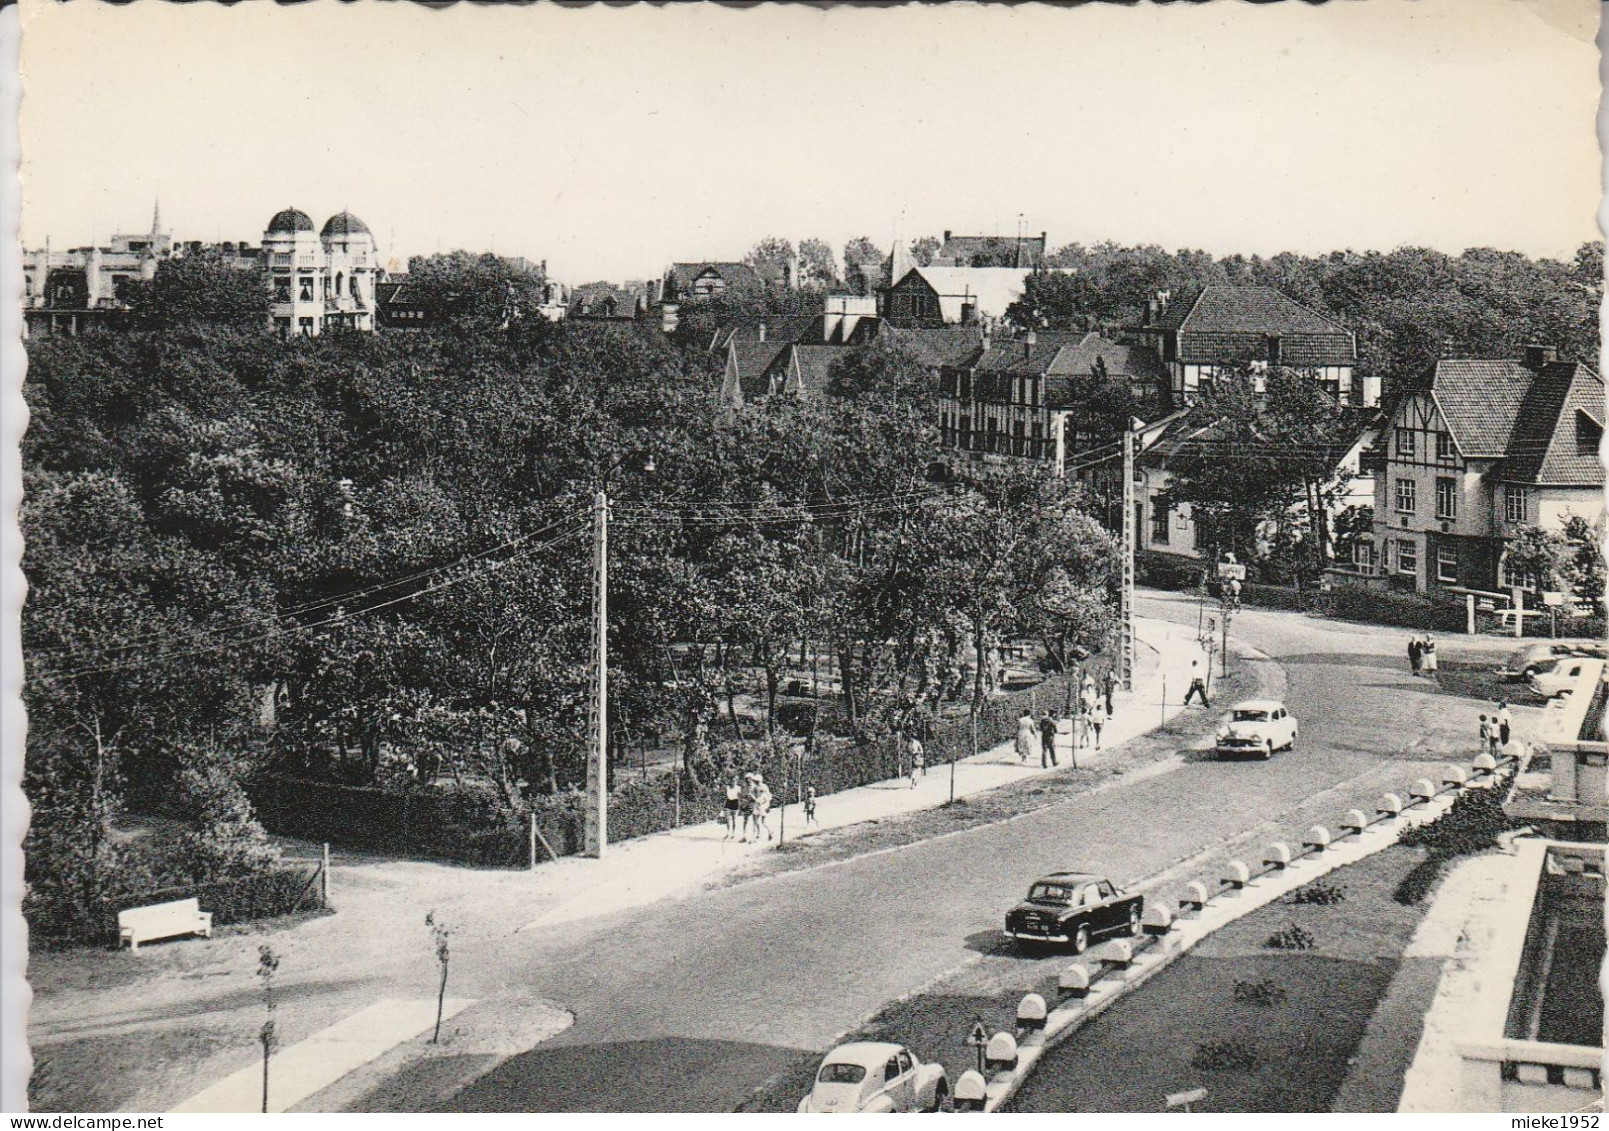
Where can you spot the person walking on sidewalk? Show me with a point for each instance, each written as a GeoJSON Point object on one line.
{"type": "Point", "coordinates": [1047, 741]}
{"type": "Point", "coordinates": [1427, 655]}
{"type": "Point", "coordinates": [1415, 654]}
{"type": "Point", "coordinates": [1486, 735]}
{"type": "Point", "coordinates": [734, 797]}
{"type": "Point", "coordinates": [1197, 686]}
{"type": "Point", "coordinates": [918, 760]}
{"type": "Point", "coordinates": [762, 808]}
{"type": "Point", "coordinates": [1505, 722]}
{"type": "Point", "coordinates": [810, 805]}
{"type": "Point", "coordinates": [1108, 684]}
{"type": "Point", "coordinates": [1087, 694]}
{"type": "Point", "coordinates": [1027, 736]}
{"type": "Point", "coordinates": [1097, 719]}
{"type": "Point", "coordinates": [745, 805]}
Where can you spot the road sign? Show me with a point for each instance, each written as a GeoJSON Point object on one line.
{"type": "Point", "coordinates": [979, 1035]}
{"type": "Point", "coordinates": [1553, 600]}
{"type": "Point", "coordinates": [1231, 571]}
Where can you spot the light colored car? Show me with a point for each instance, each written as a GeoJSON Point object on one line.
{"type": "Point", "coordinates": [1257, 727]}
{"type": "Point", "coordinates": [1525, 662]}
{"type": "Point", "coordinates": [1564, 675]}
{"type": "Point", "coordinates": [876, 1076]}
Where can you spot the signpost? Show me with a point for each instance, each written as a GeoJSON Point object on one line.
{"type": "Point", "coordinates": [1552, 601]}
{"type": "Point", "coordinates": [978, 1038]}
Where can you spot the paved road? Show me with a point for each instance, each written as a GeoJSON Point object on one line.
{"type": "Point", "coordinates": [689, 1005]}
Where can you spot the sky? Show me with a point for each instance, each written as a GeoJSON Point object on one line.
{"type": "Point", "coordinates": [612, 141]}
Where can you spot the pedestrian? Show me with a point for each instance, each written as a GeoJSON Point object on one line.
{"type": "Point", "coordinates": [1097, 719]}
{"type": "Point", "coordinates": [1486, 735]}
{"type": "Point", "coordinates": [1047, 741]}
{"type": "Point", "coordinates": [1504, 722]}
{"type": "Point", "coordinates": [762, 807]}
{"type": "Point", "coordinates": [745, 805]}
{"type": "Point", "coordinates": [1427, 656]}
{"type": "Point", "coordinates": [1415, 654]}
{"type": "Point", "coordinates": [1197, 685]}
{"type": "Point", "coordinates": [1108, 685]}
{"type": "Point", "coordinates": [1027, 736]}
{"type": "Point", "coordinates": [918, 760]}
{"type": "Point", "coordinates": [734, 795]}
{"type": "Point", "coordinates": [810, 805]}
{"type": "Point", "coordinates": [1089, 694]}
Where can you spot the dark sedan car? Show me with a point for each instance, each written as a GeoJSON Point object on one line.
{"type": "Point", "coordinates": [1075, 908]}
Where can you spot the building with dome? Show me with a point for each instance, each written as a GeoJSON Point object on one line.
{"type": "Point", "coordinates": [320, 279]}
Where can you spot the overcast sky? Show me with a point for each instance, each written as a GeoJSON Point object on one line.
{"type": "Point", "coordinates": [612, 141]}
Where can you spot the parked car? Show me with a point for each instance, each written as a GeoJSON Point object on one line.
{"type": "Point", "coordinates": [1258, 727]}
{"type": "Point", "coordinates": [1563, 675]}
{"type": "Point", "coordinates": [1525, 662]}
{"type": "Point", "coordinates": [878, 1077]}
{"type": "Point", "coordinates": [1074, 908]}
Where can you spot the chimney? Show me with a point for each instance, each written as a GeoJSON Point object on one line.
{"type": "Point", "coordinates": [946, 235]}
{"type": "Point", "coordinates": [1538, 354]}
{"type": "Point", "coordinates": [1162, 301]}
{"type": "Point", "coordinates": [1273, 349]}
{"type": "Point", "coordinates": [762, 331]}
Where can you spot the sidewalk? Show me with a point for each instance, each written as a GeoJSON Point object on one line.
{"type": "Point", "coordinates": [639, 871]}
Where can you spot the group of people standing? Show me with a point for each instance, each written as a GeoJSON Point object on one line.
{"type": "Point", "coordinates": [1042, 738]}
{"type": "Point", "coordinates": [1496, 731]}
{"type": "Point", "coordinates": [749, 798]}
{"type": "Point", "coordinates": [1422, 655]}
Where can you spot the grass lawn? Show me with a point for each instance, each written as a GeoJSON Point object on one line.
{"type": "Point", "coordinates": [1289, 1051]}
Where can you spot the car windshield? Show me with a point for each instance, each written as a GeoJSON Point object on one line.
{"type": "Point", "coordinates": [1051, 893]}
{"type": "Point", "coordinates": [841, 1074]}
{"type": "Point", "coordinates": [1251, 716]}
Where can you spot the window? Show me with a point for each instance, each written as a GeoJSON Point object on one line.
{"type": "Point", "coordinates": [1444, 446]}
{"type": "Point", "coordinates": [304, 326]}
{"type": "Point", "coordinates": [1588, 434]}
{"type": "Point", "coordinates": [1514, 504]}
{"type": "Point", "coordinates": [1407, 556]}
{"type": "Point", "coordinates": [891, 1069]}
{"type": "Point", "coordinates": [1407, 495]}
{"type": "Point", "coordinates": [1159, 524]}
{"type": "Point", "coordinates": [1446, 563]}
{"type": "Point", "coordinates": [1363, 556]}
{"type": "Point", "coordinates": [307, 288]}
{"type": "Point", "coordinates": [1446, 497]}
{"type": "Point", "coordinates": [1407, 443]}
{"type": "Point", "coordinates": [1515, 578]}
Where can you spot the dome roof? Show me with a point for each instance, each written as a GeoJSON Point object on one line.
{"type": "Point", "coordinates": [343, 223]}
{"type": "Point", "coordinates": [291, 220]}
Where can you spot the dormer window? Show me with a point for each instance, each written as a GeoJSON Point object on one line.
{"type": "Point", "coordinates": [1588, 434]}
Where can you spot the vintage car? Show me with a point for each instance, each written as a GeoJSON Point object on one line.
{"type": "Point", "coordinates": [1525, 662]}
{"type": "Point", "coordinates": [1257, 727]}
{"type": "Point", "coordinates": [1564, 675]}
{"type": "Point", "coordinates": [1074, 908]}
{"type": "Point", "coordinates": [878, 1077]}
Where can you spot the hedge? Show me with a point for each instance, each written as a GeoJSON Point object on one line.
{"type": "Point", "coordinates": [471, 824]}
{"type": "Point", "coordinates": [55, 921]}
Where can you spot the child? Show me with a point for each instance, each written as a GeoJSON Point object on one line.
{"type": "Point", "coordinates": [918, 761]}
{"type": "Point", "coordinates": [1486, 735]}
{"type": "Point", "coordinates": [1097, 719]}
{"type": "Point", "coordinates": [810, 805]}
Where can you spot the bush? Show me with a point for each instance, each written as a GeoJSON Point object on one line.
{"type": "Point", "coordinates": [1293, 937]}
{"type": "Point", "coordinates": [1320, 892]}
{"type": "Point", "coordinates": [1224, 1056]}
{"type": "Point", "coordinates": [1471, 824]}
{"type": "Point", "coordinates": [1372, 606]}
{"type": "Point", "coordinates": [1259, 993]}
{"type": "Point", "coordinates": [1414, 886]}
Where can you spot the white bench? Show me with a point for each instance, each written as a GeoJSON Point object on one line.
{"type": "Point", "coordinates": [162, 921]}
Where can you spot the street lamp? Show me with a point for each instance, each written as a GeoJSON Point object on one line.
{"type": "Point", "coordinates": [597, 819]}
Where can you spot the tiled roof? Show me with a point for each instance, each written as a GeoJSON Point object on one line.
{"type": "Point", "coordinates": [1480, 402]}
{"type": "Point", "coordinates": [1007, 250]}
{"type": "Point", "coordinates": [1223, 323]}
{"type": "Point", "coordinates": [989, 290]}
{"type": "Point", "coordinates": [750, 363]}
{"type": "Point", "coordinates": [1018, 355]}
{"type": "Point", "coordinates": [784, 329]}
{"type": "Point", "coordinates": [1544, 448]}
{"type": "Point", "coordinates": [735, 274]}
{"type": "Point", "coordinates": [808, 368]}
{"type": "Point", "coordinates": [1136, 363]}
{"type": "Point", "coordinates": [933, 348]}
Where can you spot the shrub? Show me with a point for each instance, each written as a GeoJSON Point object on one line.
{"type": "Point", "coordinates": [1259, 993]}
{"type": "Point", "coordinates": [1471, 824]}
{"type": "Point", "coordinates": [1320, 892]}
{"type": "Point", "coordinates": [1414, 886]}
{"type": "Point", "coordinates": [1293, 937]}
{"type": "Point", "coordinates": [1224, 1056]}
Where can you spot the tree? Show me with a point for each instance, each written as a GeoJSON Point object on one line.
{"type": "Point", "coordinates": [1582, 566]}
{"type": "Point", "coordinates": [924, 249]}
{"type": "Point", "coordinates": [1535, 554]}
{"type": "Point", "coordinates": [203, 287]}
{"type": "Point", "coordinates": [861, 249]}
{"type": "Point", "coordinates": [471, 294]}
{"type": "Point", "coordinates": [772, 251]}
{"type": "Point", "coordinates": [817, 268]}
{"type": "Point", "coordinates": [1055, 300]}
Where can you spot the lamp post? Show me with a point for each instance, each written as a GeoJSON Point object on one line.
{"type": "Point", "coordinates": [597, 818]}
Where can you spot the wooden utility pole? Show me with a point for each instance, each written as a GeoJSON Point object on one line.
{"type": "Point", "coordinates": [597, 819]}
{"type": "Point", "coordinates": [1125, 656]}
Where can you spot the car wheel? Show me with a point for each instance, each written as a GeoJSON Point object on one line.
{"type": "Point", "coordinates": [1081, 939]}
{"type": "Point", "coordinates": [1291, 745]}
{"type": "Point", "coordinates": [1134, 921]}
{"type": "Point", "coordinates": [941, 1092]}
